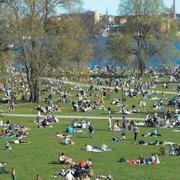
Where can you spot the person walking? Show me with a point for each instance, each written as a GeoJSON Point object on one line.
{"type": "Point", "coordinates": [136, 131]}
{"type": "Point", "coordinates": [13, 173]}
{"type": "Point", "coordinates": [91, 131]}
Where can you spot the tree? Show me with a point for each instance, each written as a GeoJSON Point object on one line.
{"type": "Point", "coordinates": [73, 41]}
{"type": "Point", "coordinates": [148, 33]}
{"type": "Point", "coordinates": [40, 43]}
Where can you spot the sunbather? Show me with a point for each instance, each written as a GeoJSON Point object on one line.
{"type": "Point", "coordinates": [64, 159]}
{"type": "Point", "coordinates": [154, 143]}
{"type": "Point", "coordinates": [153, 133]}
{"type": "Point", "coordinates": [102, 148]}
{"type": "Point", "coordinates": [19, 141]}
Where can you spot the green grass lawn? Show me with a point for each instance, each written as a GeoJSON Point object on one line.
{"type": "Point", "coordinates": [38, 157]}
{"type": "Point", "coordinates": [29, 108]}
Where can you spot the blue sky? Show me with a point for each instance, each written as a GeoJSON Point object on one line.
{"type": "Point", "coordinates": [112, 5]}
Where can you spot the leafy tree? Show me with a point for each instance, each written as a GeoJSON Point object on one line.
{"type": "Point", "coordinates": [43, 44]}
{"type": "Point", "coordinates": [148, 33]}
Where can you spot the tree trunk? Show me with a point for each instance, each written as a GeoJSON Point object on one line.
{"type": "Point", "coordinates": [142, 64]}
{"type": "Point", "coordinates": [33, 82]}
{"type": "Point", "coordinates": [36, 90]}
{"type": "Point", "coordinates": [142, 69]}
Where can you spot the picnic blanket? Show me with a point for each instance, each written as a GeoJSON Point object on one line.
{"type": "Point", "coordinates": [8, 136]}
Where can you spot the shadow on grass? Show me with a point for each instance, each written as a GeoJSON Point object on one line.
{"type": "Point", "coordinates": [54, 162]}
{"type": "Point", "coordinates": [82, 137]}
{"type": "Point", "coordinates": [102, 130]}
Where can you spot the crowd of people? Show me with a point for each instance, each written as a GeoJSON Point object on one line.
{"type": "Point", "coordinates": [104, 95]}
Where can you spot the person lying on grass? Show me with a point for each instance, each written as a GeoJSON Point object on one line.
{"type": "Point", "coordinates": [19, 141]}
{"type": "Point", "coordinates": [65, 160]}
{"type": "Point", "coordinates": [153, 133]}
{"type": "Point", "coordinates": [102, 148]}
{"type": "Point", "coordinates": [155, 143]}
{"type": "Point", "coordinates": [99, 177]}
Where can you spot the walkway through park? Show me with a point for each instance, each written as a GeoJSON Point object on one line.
{"type": "Point", "coordinates": [74, 117]}
{"type": "Point", "coordinates": [109, 87]}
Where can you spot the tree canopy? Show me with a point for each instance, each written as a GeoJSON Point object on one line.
{"type": "Point", "coordinates": [148, 33]}
{"type": "Point", "coordinates": [45, 40]}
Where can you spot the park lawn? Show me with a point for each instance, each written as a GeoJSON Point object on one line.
{"type": "Point", "coordinates": [40, 157]}
{"type": "Point", "coordinates": [29, 108]}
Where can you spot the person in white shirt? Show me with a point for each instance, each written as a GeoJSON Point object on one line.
{"type": "Point", "coordinates": [88, 147]}
{"type": "Point", "coordinates": [110, 122]}
{"type": "Point", "coordinates": [69, 175]}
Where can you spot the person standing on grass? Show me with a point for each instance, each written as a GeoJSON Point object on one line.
{"type": "Point", "coordinates": [38, 177]}
{"type": "Point", "coordinates": [91, 131]}
{"type": "Point", "coordinates": [136, 131]}
{"type": "Point", "coordinates": [110, 122]}
{"type": "Point", "coordinates": [13, 173]}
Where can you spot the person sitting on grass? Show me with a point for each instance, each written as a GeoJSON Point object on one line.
{"type": "Point", "coordinates": [134, 109]}
{"type": "Point", "coordinates": [8, 146]}
{"type": "Point", "coordinates": [121, 139]}
{"type": "Point", "coordinates": [3, 133]}
{"type": "Point", "coordinates": [153, 159]}
{"type": "Point", "coordinates": [45, 123]}
{"type": "Point", "coordinates": [67, 140]}
{"type": "Point", "coordinates": [62, 136]}
{"type": "Point", "coordinates": [116, 126]}
{"type": "Point", "coordinates": [69, 130]}
{"type": "Point", "coordinates": [3, 169]}
{"type": "Point", "coordinates": [87, 177]}
{"type": "Point", "coordinates": [141, 159]}
{"type": "Point", "coordinates": [65, 160]}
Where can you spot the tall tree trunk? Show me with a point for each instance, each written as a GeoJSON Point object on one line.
{"type": "Point", "coordinates": [33, 82]}
{"type": "Point", "coordinates": [142, 67]}
{"type": "Point", "coordinates": [36, 90]}
{"type": "Point", "coordinates": [142, 64]}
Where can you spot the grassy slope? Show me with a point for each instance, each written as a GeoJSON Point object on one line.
{"type": "Point", "coordinates": [37, 157]}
